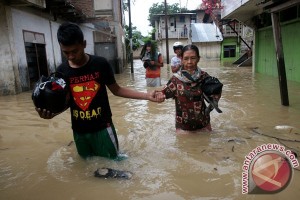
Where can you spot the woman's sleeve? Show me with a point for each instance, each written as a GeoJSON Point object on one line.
{"type": "Point", "coordinates": [170, 89]}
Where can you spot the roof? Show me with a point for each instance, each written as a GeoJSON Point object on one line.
{"type": "Point", "coordinates": [206, 32]}
{"type": "Point", "coordinates": [157, 16]}
{"type": "Point", "coordinates": [171, 14]}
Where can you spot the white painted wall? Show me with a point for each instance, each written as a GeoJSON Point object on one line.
{"type": "Point", "coordinates": [88, 36]}
{"type": "Point", "coordinates": [55, 45]}
{"type": "Point", "coordinates": [14, 76]}
{"type": "Point", "coordinates": [209, 50]}
{"type": "Point", "coordinates": [9, 84]}
{"type": "Point", "coordinates": [29, 22]}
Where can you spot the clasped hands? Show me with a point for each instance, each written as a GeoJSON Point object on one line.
{"type": "Point", "coordinates": [157, 96]}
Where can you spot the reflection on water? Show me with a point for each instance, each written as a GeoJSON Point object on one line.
{"type": "Point", "coordinates": [39, 161]}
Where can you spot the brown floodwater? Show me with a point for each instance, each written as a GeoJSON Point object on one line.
{"type": "Point", "coordinates": [39, 161]}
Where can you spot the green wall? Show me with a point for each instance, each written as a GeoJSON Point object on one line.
{"type": "Point", "coordinates": [265, 57]}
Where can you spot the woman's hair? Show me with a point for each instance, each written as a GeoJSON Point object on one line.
{"type": "Point", "coordinates": [191, 47]}
{"type": "Point", "coordinates": [153, 46]}
{"type": "Point", "coordinates": [69, 34]}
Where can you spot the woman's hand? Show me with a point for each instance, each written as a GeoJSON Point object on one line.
{"type": "Point", "coordinates": [216, 97]}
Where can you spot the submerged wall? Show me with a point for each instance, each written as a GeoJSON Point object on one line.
{"type": "Point", "coordinates": [265, 55]}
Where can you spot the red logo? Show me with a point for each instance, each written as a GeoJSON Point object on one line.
{"type": "Point", "coordinates": [84, 93]}
{"type": "Point", "coordinates": [271, 172]}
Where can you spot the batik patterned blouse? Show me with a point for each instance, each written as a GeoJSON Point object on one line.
{"type": "Point", "coordinates": [189, 102]}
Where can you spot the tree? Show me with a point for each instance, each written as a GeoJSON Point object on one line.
{"type": "Point", "coordinates": [159, 8]}
{"type": "Point", "coordinates": [137, 38]}
{"type": "Point", "coordinates": [125, 4]}
{"type": "Point", "coordinates": [210, 5]}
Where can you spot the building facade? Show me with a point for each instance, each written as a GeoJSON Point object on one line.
{"type": "Point", "coordinates": [215, 39]}
{"type": "Point", "coordinates": [258, 15]}
{"type": "Point", "coordinates": [29, 47]}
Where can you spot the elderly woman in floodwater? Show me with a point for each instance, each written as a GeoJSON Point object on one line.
{"type": "Point", "coordinates": [190, 87]}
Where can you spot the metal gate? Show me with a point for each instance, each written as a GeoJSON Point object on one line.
{"type": "Point", "coordinates": [108, 51]}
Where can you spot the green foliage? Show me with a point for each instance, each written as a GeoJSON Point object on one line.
{"type": "Point", "coordinates": [125, 4]}
{"type": "Point", "coordinates": [137, 38]}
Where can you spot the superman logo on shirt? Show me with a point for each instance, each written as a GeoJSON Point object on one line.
{"type": "Point", "coordinates": [84, 93]}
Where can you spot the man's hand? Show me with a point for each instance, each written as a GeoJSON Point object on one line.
{"type": "Point", "coordinates": [156, 96]}
{"type": "Point", "coordinates": [45, 114]}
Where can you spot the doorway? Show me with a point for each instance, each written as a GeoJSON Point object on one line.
{"type": "Point", "coordinates": [36, 57]}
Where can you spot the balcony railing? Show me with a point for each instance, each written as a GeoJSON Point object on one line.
{"type": "Point", "coordinates": [174, 33]}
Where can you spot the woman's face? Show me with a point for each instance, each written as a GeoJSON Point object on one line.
{"type": "Point", "coordinates": [190, 60]}
{"type": "Point", "coordinates": [148, 48]}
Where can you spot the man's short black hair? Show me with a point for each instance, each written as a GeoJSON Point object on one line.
{"type": "Point", "coordinates": [69, 34]}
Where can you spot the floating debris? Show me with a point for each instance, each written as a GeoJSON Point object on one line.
{"type": "Point", "coordinates": [236, 140]}
{"type": "Point", "coordinates": [112, 173]}
{"type": "Point", "coordinates": [70, 143]}
{"type": "Point", "coordinates": [284, 127]}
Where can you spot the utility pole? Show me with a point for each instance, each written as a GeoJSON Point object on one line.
{"type": "Point", "coordinates": [130, 38]}
{"type": "Point", "coordinates": [167, 37]}
{"type": "Point", "coordinates": [280, 59]}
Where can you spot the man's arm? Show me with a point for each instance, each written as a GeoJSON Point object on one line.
{"type": "Point", "coordinates": [133, 94]}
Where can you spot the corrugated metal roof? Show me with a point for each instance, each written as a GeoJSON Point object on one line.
{"type": "Point", "coordinates": [205, 32]}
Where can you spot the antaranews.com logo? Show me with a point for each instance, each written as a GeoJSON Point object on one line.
{"type": "Point", "coordinates": [268, 169]}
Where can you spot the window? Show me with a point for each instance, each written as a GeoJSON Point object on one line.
{"type": "Point", "coordinates": [229, 51]}
{"type": "Point", "coordinates": [193, 19]}
{"type": "Point", "coordinates": [182, 19]}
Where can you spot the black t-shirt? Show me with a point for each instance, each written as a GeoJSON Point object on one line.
{"type": "Point", "coordinates": [90, 109]}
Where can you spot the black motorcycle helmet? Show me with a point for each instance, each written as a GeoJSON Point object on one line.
{"type": "Point", "coordinates": [51, 93]}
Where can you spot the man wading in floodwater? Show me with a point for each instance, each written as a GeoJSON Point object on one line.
{"type": "Point", "coordinates": [87, 77]}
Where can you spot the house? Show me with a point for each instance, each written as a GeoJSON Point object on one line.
{"type": "Point", "coordinates": [178, 29]}
{"type": "Point", "coordinates": [29, 47]}
{"type": "Point", "coordinates": [236, 46]}
{"type": "Point", "coordinates": [276, 25]}
{"type": "Point", "coordinates": [215, 40]}
{"type": "Point", "coordinates": [188, 29]}
{"type": "Point", "coordinates": [208, 38]}
{"type": "Point", "coordinates": [267, 18]}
